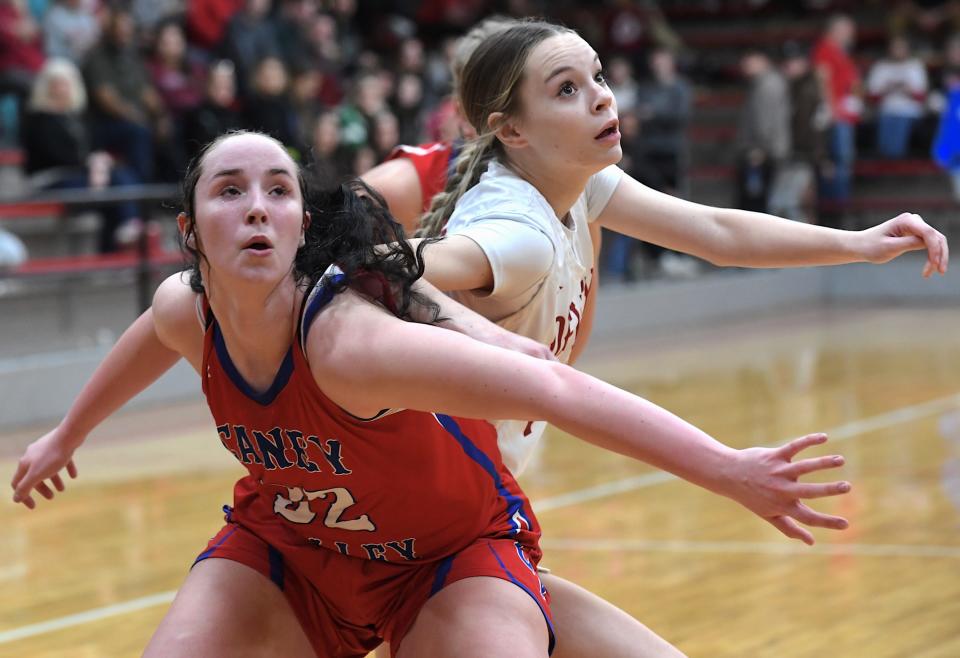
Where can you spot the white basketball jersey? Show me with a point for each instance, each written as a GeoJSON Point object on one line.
{"type": "Point", "coordinates": [550, 309]}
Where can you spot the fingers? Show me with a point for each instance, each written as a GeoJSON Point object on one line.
{"type": "Point", "coordinates": [19, 473]}
{"type": "Point", "coordinates": [57, 482]}
{"type": "Point", "coordinates": [810, 517]}
{"type": "Point", "coordinates": [820, 490]}
{"type": "Point", "coordinates": [72, 469]}
{"type": "Point", "coordinates": [934, 241]}
{"type": "Point", "coordinates": [790, 450]}
{"type": "Point", "coordinates": [791, 529]}
{"type": "Point", "coordinates": [806, 466]}
{"type": "Point", "coordinates": [44, 490]}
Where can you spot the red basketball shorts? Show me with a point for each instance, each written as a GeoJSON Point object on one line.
{"type": "Point", "coordinates": [347, 606]}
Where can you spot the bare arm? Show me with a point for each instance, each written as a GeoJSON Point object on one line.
{"type": "Point", "coordinates": [749, 239]}
{"type": "Point", "coordinates": [397, 181]}
{"type": "Point", "coordinates": [139, 358]}
{"type": "Point", "coordinates": [421, 367]}
{"type": "Point", "coordinates": [457, 317]}
{"type": "Point", "coordinates": [456, 263]}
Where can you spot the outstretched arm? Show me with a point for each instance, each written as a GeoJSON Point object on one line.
{"type": "Point", "coordinates": [726, 236]}
{"type": "Point", "coordinates": [138, 359]}
{"type": "Point", "coordinates": [421, 367]}
{"type": "Point", "coordinates": [457, 317]}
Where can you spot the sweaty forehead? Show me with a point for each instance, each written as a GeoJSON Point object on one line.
{"type": "Point", "coordinates": [562, 50]}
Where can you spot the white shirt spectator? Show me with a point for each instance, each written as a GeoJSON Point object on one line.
{"type": "Point", "coordinates": [900, 85]}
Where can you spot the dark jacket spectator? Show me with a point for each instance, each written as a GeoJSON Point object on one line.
{"type": "Point", "coordinates": [123, 100]}
{"type": "Point", "coordinates": [58, 151]}
{"type": "Point", "coordinates": [217, 113]}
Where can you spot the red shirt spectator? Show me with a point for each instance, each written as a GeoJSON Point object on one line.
{"type": "Point", "coordinates": [842, 79]}
{"type": "Point", "coordinates": [207, 20]}
{"type": "Point", "coordinates": [21, 42]}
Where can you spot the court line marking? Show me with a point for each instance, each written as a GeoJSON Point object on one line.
{"type": "Point", "coordinates": [767, 548]}
{"type": "Point", "coordinates": [837, 434]}
{"type": "Point", "coordinates": [841, 433]}
{"type": "Point", "coordinates": [96, 614]}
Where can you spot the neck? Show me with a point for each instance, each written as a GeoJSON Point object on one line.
{"type": "Point", "coordinates": [560, 186]}
{"type": "Point", "coordinates": [257, 323]}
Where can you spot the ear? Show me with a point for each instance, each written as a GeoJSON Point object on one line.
{"type": "Point", "coordinates": [507, 130]}
{"type": "Point", "coordinates": [183, 225]}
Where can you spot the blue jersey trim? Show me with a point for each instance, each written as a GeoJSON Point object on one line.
{"type": "Point", "coordinates": [268, 396]}
{"type": "Point", "coordinates": [515, 504]}
{"type": "Point", "coordinates": [207, 553]}
{"type": "Point", "coordinates": [319, 298]}
{"type": "Point", "coordinates": [518, 583]}
{"type": "Point", "coordinates": [440, 578]}
{"type": "Point", "coordinates": [275, 558]}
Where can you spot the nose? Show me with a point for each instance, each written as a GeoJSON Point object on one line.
{"type": "Point", "coordinates": [604, 98]}
{"type": "Point", "coordinates": [256, 213]}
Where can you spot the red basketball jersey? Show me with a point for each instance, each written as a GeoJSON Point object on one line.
{"type": "Point", "coordinates": [403, 486]}
{"type": "Point", "coordinates": [433, 162]}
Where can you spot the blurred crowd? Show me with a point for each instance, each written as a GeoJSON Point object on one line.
{"type": "Point", "coordinates": [101, 93]}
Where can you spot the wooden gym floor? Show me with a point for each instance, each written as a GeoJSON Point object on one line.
{"type": "Point", "coordinates": [91, 573]}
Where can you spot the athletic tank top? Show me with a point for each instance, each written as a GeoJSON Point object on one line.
{"type": "Point", "coordinates": [402, 486]}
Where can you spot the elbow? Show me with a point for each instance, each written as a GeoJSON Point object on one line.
{"type": "Point", "coordinates": [562, 387]}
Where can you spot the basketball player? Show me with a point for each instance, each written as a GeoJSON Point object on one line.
{"type": "Point", "coordinates": [327, 549]}
{"type": "Point", "coordinates": [521, 208]}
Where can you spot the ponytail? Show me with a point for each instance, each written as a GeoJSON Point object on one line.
{"type": "Point", "coordinates": [469, 166]}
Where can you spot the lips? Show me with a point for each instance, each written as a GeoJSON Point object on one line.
{"type": "Point", "coordinates": [609, 128]}
{"type": "Point", "coordinates": [258, 243]}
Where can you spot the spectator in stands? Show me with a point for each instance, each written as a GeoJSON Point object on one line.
{"type": "Point", "coordinates": [217, 113]}
{"type": "Point", "coordinates": [622, 83]}
{"type": "Point", "coordinates": [58, 154]}
{"type": "Point", "coordinates": [178, 77]}
{"type": "Point", "coordinates": [249, 39]}
{"type": "Point", "coordinates": [70, 29]}
{"type": "Point", "coordinates": [356, 118]}
{"type": "Point", "coordinates": [269, 108]}
{"type": "Point", "coordinates": [385, 135]}
{"type": "Point", "coordinates": [633, 28]}
{"type": "Point", "coordinates": [124, 103]}
{"type": "Point", "coordinates": [305, 86]}
{"type": "Point", "coordinates": [21, 48]}
{"type": "Point", "coordinates": [176, 73]}
{"type": "Point", "coordinates": [763, 131]}
{"type": "Point", "coordinates": [926, 18]}
{"type": "Point", "coordinates": [149, 15]}
{"type": "Point", "coordinates": [946, 145]}
{"type": "Point", "coordinates": [408, 106]}
{"type": "Point", "coordinates": [831, 57]}
{"type": "Point", "coordinates": [291, 25]}
{"type": "Point", "coordinates": [329, 160]}
{"type": "Point", "coordinates": [664, 103]}
{"type": "Point", "coordinates": [898, 84]}
{"type": "Point", "coordinates": [794, 190]}
{"type": "Point", "coordinates": [207, 21]}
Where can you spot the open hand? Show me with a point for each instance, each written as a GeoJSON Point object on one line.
{"type": "Point", "coordinates": [906, 232]}
{"type": "Point", "coordinates": [43, 460]}
{"type": "Point", "coordinates": [766, 483]}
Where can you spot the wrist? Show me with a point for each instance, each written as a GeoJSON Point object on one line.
{"type": "Point", "coordinates": [71, 434]}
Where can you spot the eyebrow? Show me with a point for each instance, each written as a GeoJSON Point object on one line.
{"type": "Point", "coordinates": [233, 172]}
{"type": "Point", "coordinates": [557, 71]}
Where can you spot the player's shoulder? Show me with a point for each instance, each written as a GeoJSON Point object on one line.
{"type": "Point", "coordinates": [176, 309]}
{"type": "Point", "coordinates": [500, 193]}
